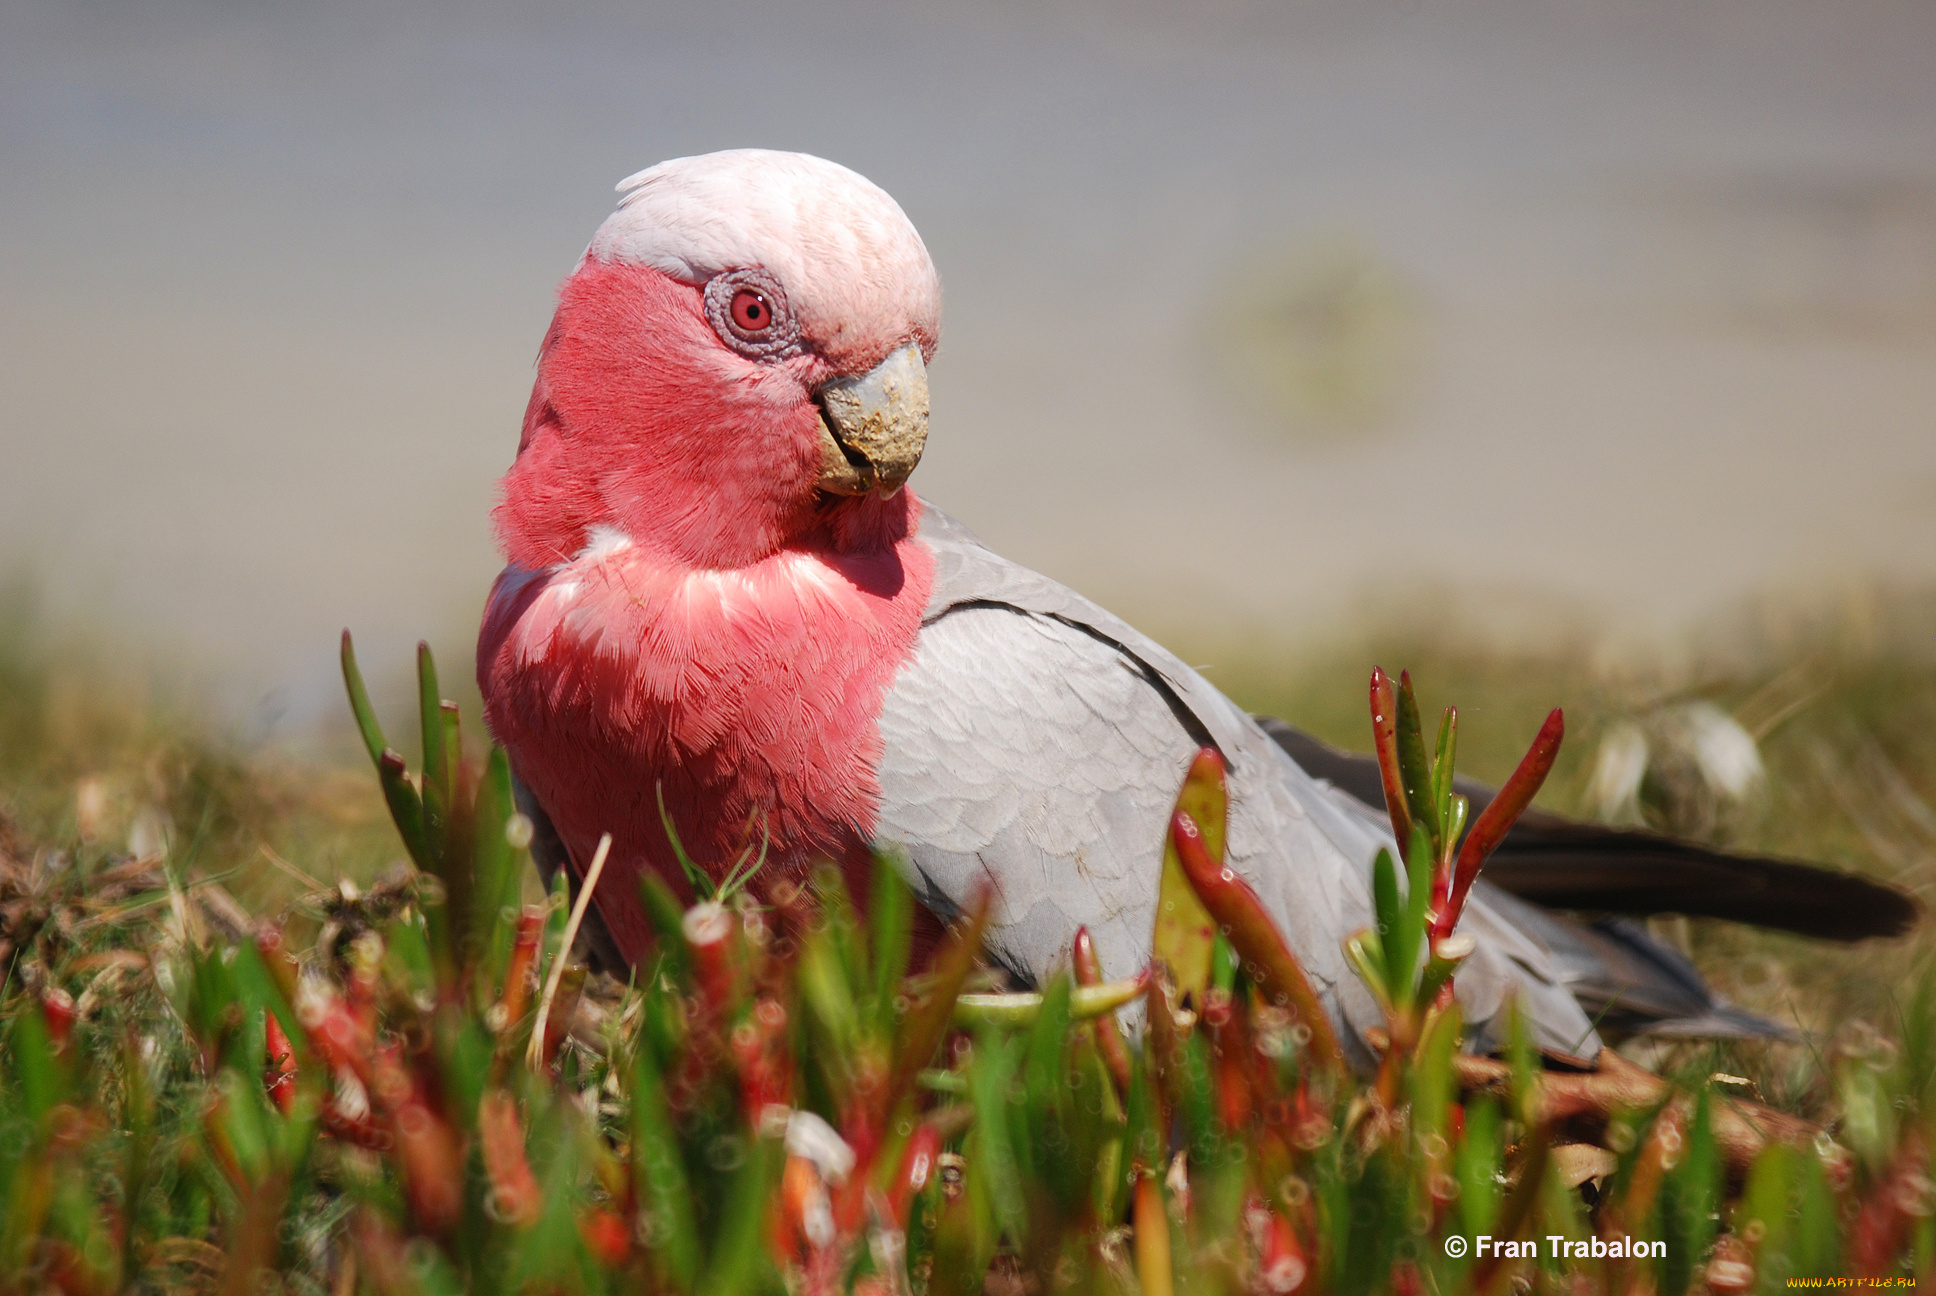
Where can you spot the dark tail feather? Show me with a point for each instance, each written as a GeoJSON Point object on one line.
{"type": "Point", "coordinates": [1628, 982]}
{"type": "Point", "coordinates": [1723, 1022]}
{"type": "Point", "coordinates": [1567, 865]}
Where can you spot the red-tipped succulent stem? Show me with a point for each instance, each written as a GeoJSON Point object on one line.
{"type": "Point", "coordinates": [1384, 732]}
{"type": "Point", "coordinates": [280, 1075]}
{"type": "Point", "coordinates": [1250, 931]}
{"type": "Point", "coordinates": [1499, 816]}
{"type": "Point", "coordinates": [1109, 1037]}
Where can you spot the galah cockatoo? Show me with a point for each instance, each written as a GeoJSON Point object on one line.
{"type": "Point", "coordinates": [722, 593]}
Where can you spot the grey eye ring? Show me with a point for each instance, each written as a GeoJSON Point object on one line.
{"type": "Point", "coordinates": [748, 309]}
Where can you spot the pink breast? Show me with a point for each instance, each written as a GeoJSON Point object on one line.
{"type": "Point", "coordinates": [748, 696]}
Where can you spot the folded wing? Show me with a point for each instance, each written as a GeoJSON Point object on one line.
{"type": "Point", "coordinates": [1036, 742]}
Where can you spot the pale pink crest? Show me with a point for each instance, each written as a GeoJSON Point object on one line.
{"type": "Point", "coordinates": [854, 269]}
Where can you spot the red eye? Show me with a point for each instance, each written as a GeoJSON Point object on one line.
{"type": "Point", "coordinates": [751, 311]}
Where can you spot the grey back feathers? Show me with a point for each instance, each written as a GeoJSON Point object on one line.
{"type": "Point", "coordinates": [1037, 742]}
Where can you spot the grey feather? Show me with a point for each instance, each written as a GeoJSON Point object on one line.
{"type": "Point", "coordinates": [1036, 740]}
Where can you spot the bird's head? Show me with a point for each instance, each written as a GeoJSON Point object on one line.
{"type": "Point", "coordinates": [738, 360]}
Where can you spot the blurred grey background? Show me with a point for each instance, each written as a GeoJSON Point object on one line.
{"type": "Point", "coordinates": [1625, 309]}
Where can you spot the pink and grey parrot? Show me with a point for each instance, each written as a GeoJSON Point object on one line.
{"type": "Point", "coordinates": [722, 597]}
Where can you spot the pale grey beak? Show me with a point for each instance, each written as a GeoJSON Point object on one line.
{"type": "Point", "coordinates": [874, 427]}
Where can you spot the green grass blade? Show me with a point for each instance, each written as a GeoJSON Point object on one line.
{"type": "Point", "coordinates": [436, 760]}
{"type": "Point", "coordinates": [702, 885]}
{"type": "Point", "coordinates": [406, 808]}
{"type": "Point", "coordinates": [739, 1264]}
{"type": "Point", "coordinates": [659, 1174]}
{"type": "Point", "coordinates": [366, 722]}
{"type": "Point", "coordinates": [1385, 904]}
{"type": "Point", "coordinates": [493, 869]}
{"type": "Point", "coordinates": [35, 1068]}
{"type": "Point", "coordinates": [890, 937]}
{"type": "Point", "coordinates": [927, 1022]}
{"type": "Point", "coordinates": [998, 1165]}
{"type": "Point", "coordinates": [1401, 962]}
{"type": "Point", "coordinates": [1442, 766]}
{"type": "Point", "coordinates": [1413, 769]}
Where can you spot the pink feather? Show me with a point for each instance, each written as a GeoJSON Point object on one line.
{"type": "Point", "coordinates": [684, 610]}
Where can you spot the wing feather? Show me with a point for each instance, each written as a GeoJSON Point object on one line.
{"type": "Point", "coordinates": [1037, 739]}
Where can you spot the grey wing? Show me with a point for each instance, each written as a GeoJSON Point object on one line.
{"type": "Point", "coordinates": [1022, 752]}
{"type": "Point", "coordinates": [1038, 742]}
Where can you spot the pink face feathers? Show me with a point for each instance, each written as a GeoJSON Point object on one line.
{"type": "Point", "coordinates": [700, 604]}
{"type": "Point", "coordinates": [675, 392]}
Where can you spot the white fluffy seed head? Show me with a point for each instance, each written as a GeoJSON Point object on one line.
{"type": "Point", "coordinates": [810, 1136]}
{"type": "Point", "coordinates": [706, 923]}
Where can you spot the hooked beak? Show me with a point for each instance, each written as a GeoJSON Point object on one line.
{"type": "Point", "coordinates": [872, 428]}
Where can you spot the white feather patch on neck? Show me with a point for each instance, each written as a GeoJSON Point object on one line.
{"type": "Point", "coordinates": [601, 541]}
